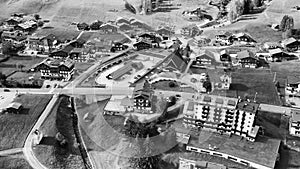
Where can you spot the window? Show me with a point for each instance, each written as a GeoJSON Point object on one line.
{"type": "Point", "coordinates": [217, 154]}
{"type": "Point", "coordinates": [206, 152]}
{"type": "Point", "coordinates": [231, 158]}
{"type": "Point", "coordinates": [193, 149]}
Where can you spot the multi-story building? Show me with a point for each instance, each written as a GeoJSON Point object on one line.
{"type": "Point", "coordinates": [142, 96]}
{"type": "Point", "coordinates": [223, 115]}
{"type": "Point", "coordinates": [55, 69]}
{"type": "Point", "coordinates": [295, 123]}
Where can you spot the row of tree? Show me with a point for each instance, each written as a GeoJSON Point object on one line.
{"type": "Point", "coordinates": [240, 7]}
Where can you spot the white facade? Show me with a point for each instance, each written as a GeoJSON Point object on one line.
{"type": "Point", "coordinates": [294, 126]}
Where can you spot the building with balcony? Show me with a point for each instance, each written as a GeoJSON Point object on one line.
{"type": "Point", "coordinates": [294, 127]}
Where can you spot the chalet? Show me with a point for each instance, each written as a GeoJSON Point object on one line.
{"type": "Point", "coordinates": [14, 21]}
{"type": "Point", "coordinates": [191, 30]}
{"type": "Point", "coordinates": [78, 43]}
{"type": "Point", "coordinates": [247, 59]}
{"type": "Point", "coordinates": [225, 38]}
{"type": "Point", "coordinates": [14, 36]}
{"type": "Point", "coordinates": [196, 164]}
{"type": "Point", "coordinates": [165, 32]}
{"type": "Point", "coordinates": [142, 45]}
{"type": "Point", "coordinates": [125, 27]}
{"type": "Point", "coordinates": [271, 45]}
{"type": "Point", "coordinates": [243, 38]}
{"type": "Point", "coordinates": [127, 68]}
{"type": "Point", "coordinates": [225, 57]}
{"type": "Point", "coordinates": [108, 28]}
{"type": "Point", "coordinates": [137, 24]}
{"type": "Point", "coordinates": [96, 25]}
{"type": "Point", "coordinates": [155, 40]}
{"type": "Point", "coordinates": [206, 59]}
{"type": "Point", "coordinates": [14, 108]}
{"type": "Point", "coordinates": [122, 20]}
{"type": "Point", "coordinates": [142, 95]}
{"type": "Point", "coordinates": [291, 44]}
{"type": "Point", "coordinates": [278, 55]}
{"type": "Point", "coordinates": [293, 84]}
{"type": "Point", "coordinates": [27, 26]}
{"type": "Point", "coordinates": [33, 42]}
{"type": "Point", "coordinates": [119, 105]}
{"type": "Point", "coordinates": [50, 43]}
{"type": "Point", "coordinates": [61, 53]}
{"type": "Point", "coordinates": [118, 46]}
{"type": "Point", "coordinates": [78, 55]}
{"type": "Point", "coordinates": [83, 26]}
{"type": "Point", "coordinates": [54, 69]}
{"type": "Point", "coordinates": [294, 125]}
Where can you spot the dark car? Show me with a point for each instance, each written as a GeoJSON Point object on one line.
{"type": "Point", "coordinates": [6, 90]}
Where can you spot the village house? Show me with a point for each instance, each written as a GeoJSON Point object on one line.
{"type": "Point", "coordinates": [292, 85]}
{"type": "Point", "coordinates": [165, 32]}
{"type": "Point", "coordinates": [224, 38]}
{"type": "Point", "coordinates": [142, 96]}
{"type": "Point", "coordinates": [271, 45]}
{"type": "Point", "coordinates": [191, 30]}
{"type": "Point", "coordinates": [55, 69]}
{"type": "Point", "coordinates": [50, 43]}
{"type": "Point", "coordinates": [61, 53]}
{"type": "Point", "coordinates": [204, 60]}
{"type": "Point", "coordinates": [223, 115]}
{"type": "Point", "coordinates": [108, 28]}
{"type": "Point", "coordinates": [143, 44]}
{"type": "Point", "coordinates": [14, 108]}
{"type": "Point", "coordinates": [201, 41]}
{"type": "Point", "coordinates": [15, 37]}
{"type": "Point", "coordinates": [278, 55]}
{"type": "Point", "coordinates": [125, 27]}
{"type": "Point", "coordinates": [83, 26]}
{"type": "Point", "coordinates": [119, 105]}
{"type": "Point", "coordinates": [243, 38]}
{"type": "Point", "coordinates": [96, 25]}
{"type": "Point", "coordinates": [247, 59]}
{"type": "Point", "coordinates": [118, 46]}
{"type": "Point", "coordinates": [225, 58]}
{"type": "Point", "coordinates": [290, 44]}
{"type": "Point", "coordinates": [78, 55]}
{"type": "Point", "coordinates": [294, 125]}
{"type": "Point", "coordinates": [122, 20]}
{"type": "Point", "coordinates": [137, 24]}
{"type": "Point", "coordinates": [12, 21]}
{"type": "Point", "coordinates": [27, 26]}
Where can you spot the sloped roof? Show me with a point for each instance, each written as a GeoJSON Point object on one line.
{"type": "Point", "coordinates": [245, 54]}
{"type": "Point", "coordinates": [121, 71]}
{"type": "Point", "coordinates": [176, 62]}
{"type": "Point", "coordinates": [125, 26]}
{"type": "Point", "coordinates": [295, 115]}
{"type": "Point", "coordinates": [275, 51]}
{"type": "Point", "coordinates": [126, 101]}
{"type": "Point", "coordinates": [14, 105]}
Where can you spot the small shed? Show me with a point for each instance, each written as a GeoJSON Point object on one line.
{"type": "Point", "coordinates": [14, 107]}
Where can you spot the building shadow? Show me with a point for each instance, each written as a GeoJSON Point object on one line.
{"type": "Point", "coordinates": [48, 140]}
{"type": "Point", "coordinates": [239, 87]}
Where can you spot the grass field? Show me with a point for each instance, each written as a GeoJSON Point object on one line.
{"type": "Point", "coordinates": [16, 161]}
{"type": "Point", "coordinates": [48, 151]}
{"type": "Point", "coordinates": [284, 69]}
{"type": "Point", "coordinates": [15, 127]}
{"type": "Point", "coordinates": [249, 82]}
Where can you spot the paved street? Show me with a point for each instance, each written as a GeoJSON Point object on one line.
{"type": "Point", "coordinates": [10, 151]}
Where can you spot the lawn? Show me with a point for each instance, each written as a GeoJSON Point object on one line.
{"type": "Point", "coordinates": [248, 82]}
{"type": "Point", "coordinates": [48, 151]}
{"type": "Point", "coordinates": [15, 127]}
{"type": "Point", "coordinates": [284, 69]}
{"type": "Point", "coordinates": [164, 85]}
{"type": "Point", "coordinates": [16, 161]}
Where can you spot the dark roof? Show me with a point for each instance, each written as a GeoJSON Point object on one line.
{"type": "Point", "coordinates": [207, 99]}
{"type": "Point", "coordinates": [142, 93]}
{"type": "Point", "coordinates": [125, 27]}
{"type": "Point", "coordinates": [191, 106]}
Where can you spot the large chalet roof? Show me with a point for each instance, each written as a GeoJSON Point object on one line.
{"type": "Point", "coordinates": [176, 62]}
{"type": "Point", "coordinates": [122, 20]}
{"type": "Point", "coordinates": [293, 79]}
{"type": "Point", "coordinates": [126, 101]}
{"type": "Point", "coordinates": [57, 62]}
{"type": "Point", "coordinates": [245, 54]}
{"type": "Point", "coordinates": [124, 27]}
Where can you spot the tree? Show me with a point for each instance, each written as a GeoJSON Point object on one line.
{"type": "Point", "coordinates": [7, 47]}
{"type": "Point", "coordinates": [36, 16]}
{"type": "Point", "coordinates": [207, 85]}
{"type": "Point", "coordinates": [172, 84]}
{"type": "Point", "coordinates": [40, 23]}
{"type": "Point", "coordinates": [287, 23]}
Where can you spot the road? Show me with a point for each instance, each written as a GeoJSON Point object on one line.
{"type": "Point", "coordinates": [27, 149]}
{"type": "Point", "coordinates": [10, 151]}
